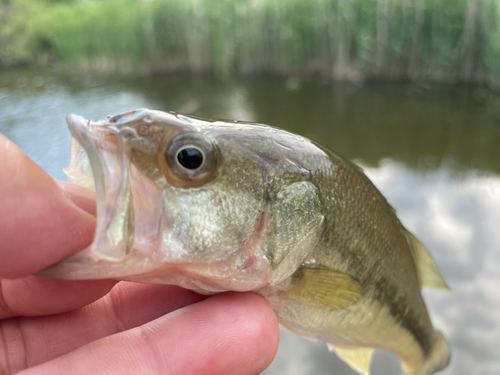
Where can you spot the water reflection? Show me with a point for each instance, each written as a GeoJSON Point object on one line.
{"type": "Point", "coordinates": [433, 153]}
{"type": "Point", "coordinates": [457, 218]}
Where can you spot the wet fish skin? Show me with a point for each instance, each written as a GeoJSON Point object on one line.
{"type": "Point", "coordinates": [364, 239]}
{"type": "Point", "coordinates": [275, 213]}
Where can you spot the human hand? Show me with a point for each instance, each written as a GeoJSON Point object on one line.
{"type": "Point", "coordinates": [51, 326]}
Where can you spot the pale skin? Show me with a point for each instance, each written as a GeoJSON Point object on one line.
{"type": "Point", "coordinates": [51, 326]}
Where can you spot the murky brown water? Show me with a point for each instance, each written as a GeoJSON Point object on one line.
{"type": "Point", "coordinates": [433, 151]}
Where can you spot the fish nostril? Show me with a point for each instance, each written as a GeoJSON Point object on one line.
{"type": "Point", "coordinates": [127, 116]}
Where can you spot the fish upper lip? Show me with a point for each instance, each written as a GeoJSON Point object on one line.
{"type": "Point", "coordinates": [76, 122]}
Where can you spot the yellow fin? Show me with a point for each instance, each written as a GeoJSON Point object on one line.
{"type": "Point", "coordinates": [428, 273]}
{"type": "Point", "coordinates": [358, 358]}
{"type": "Point", "coordinates": [325, 288]}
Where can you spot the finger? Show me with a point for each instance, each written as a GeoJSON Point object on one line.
{"type": "Point", "coordinates": [231, 333]}
{"type": "Point", "coordinates": [32, 341]}
{"type": "Point", "coordinates": [33, 296]}
{"type": "Point", "coordinates": [83, 198]}
{"type": "Point", "coordinates": [38, 225]}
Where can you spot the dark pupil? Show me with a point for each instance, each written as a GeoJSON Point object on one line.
{"type": "Point", "coordinates": [190, 158]}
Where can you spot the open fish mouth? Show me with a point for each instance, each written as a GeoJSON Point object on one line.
{"type": "Point", "coordinates": [101, 145]}
{"type": "Point", "coordinates": [99, 161]}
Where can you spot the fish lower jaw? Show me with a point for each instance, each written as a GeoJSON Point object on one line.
{"type": "Point", "coordinates": [229, 275]}
{"type": "Point", "coordinates": [204, 279]}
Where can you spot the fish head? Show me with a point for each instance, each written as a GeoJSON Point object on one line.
{"type": "Point", "coordinates": [180, 200]}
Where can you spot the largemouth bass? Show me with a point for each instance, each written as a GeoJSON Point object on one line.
{"type": "Point", "coordinates": [216, 206]}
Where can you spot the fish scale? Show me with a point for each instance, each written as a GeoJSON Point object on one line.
{"type": "Point", "coordinates": [369, 240]}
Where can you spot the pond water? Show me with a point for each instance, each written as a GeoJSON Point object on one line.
{"type": "Point", "coordinates": [433, 151]}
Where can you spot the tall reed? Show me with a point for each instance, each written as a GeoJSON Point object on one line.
{"type": "Point", "coordinates": [450, 40]}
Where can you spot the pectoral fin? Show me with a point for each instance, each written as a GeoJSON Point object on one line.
{"type": "Point", "coordinates": [428, 273]}
{"type": "Point", "coordinates": [325, 288]}
{"type": "Point", "coordinates": [358, 358]}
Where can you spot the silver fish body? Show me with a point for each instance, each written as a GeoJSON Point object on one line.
{"type": "Point", "coordinates": [215, 206]}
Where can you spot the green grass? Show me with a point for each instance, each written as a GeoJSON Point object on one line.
{"type": "Point", "coordinates": [450, 40]}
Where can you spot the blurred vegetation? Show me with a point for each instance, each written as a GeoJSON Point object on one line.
{"type": "Point", "coordinates": [445, 40]}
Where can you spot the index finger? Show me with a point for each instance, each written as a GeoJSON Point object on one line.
{"type": "Point", "coordinates": [38, 224]}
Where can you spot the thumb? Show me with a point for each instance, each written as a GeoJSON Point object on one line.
{"type": "Point", "coordinates": [40, 223]}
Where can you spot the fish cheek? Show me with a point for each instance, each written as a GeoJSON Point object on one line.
{"type": "Point", "coordinates": [211, 223]}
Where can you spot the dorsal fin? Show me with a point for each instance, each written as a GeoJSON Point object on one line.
{"type": "Point", "coordinates": [325, 288]}
{"type": "Point", "coordinates": [428, 273]}
{"type": "Point", "coordinates": [358, 358]}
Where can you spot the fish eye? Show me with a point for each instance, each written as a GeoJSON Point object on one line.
{"type": "Point", "coordinates": [191, 159]}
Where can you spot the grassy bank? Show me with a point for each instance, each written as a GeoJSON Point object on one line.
{"type": "Point", "coordinates": [448, 40]}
